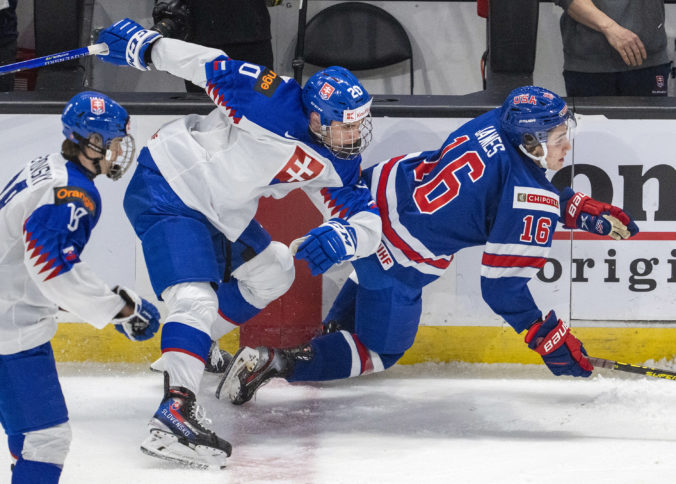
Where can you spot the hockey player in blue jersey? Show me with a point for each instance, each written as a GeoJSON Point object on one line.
{"type": "Point", "coordinates": [47, 213]}
{"type": "Point", "coordinates": [486, 186]}
{"type": "Point", "coordinates": [195, 192]}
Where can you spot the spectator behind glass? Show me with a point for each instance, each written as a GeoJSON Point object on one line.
{"type": "Point", "coordinates": [8, 36]}
{"type": "Point", "coordinates": [240, 28]}
{"type": "Point", "coordinates": [614, 47]}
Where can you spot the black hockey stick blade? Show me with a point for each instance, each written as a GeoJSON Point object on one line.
{"type": "Point", "coordinates": [628, 367]}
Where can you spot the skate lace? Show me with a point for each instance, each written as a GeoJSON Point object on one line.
{"type": "Point", "coordinates": [216, 358]}
{"type": "Point", "coordinates": [199, 415]}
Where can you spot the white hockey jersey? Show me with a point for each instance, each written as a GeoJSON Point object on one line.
{"type": "Point", "coordinates": [47, 213]}
{"type": "Point", "coordinates": [255, 144]}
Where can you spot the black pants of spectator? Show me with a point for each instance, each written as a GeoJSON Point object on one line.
{"type": "Point", "coordinates": [7, 56]}
{"type": "Point", "coordinates": [650, 81]}
{"type": "Point", "coordinates": [255, 52]}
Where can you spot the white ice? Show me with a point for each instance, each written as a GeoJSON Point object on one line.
{"type": "Point", "coordinates": [426, 423]}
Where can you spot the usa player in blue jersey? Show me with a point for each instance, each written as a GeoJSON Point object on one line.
{"type": "Point", "coordinates": [47, 213]}
{"type": "Point", "coordinates": [486, 186]}
{"type": "Point", "coordinates": [195, 192]}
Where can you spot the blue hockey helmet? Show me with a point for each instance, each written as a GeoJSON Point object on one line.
{"type": "Point", "coordinates": [530, 112]}
{"type": "Point", "coordinates": [91, 112]}
{"type": "Point", "coordinates": [337, 95]}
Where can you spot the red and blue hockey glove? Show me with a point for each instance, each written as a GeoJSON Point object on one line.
{"type": "Point", "coordinates": [585, 213]}
{"type": "Point", "coordinates": [326, 245]}
{"type": "Point", "coordinates": [562, 352]}
{"type": "Point", "coordinates": [143, 323]}
{"type": "Point", "coordinates": [127, 43]}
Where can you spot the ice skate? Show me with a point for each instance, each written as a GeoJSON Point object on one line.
{"type": "Point", "coordinates": [218, 359]}
{"type": "Point", "coordinates": [251, 368]}
{"type": "Point", "coordinates": [216, 362]}
{"type": "Point", "coordinates": [177, 432]}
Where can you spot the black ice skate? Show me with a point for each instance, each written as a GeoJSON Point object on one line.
{"type": "Point", "coordinates": [251, 368]}
{"type": "Point", "coordinates": [177, 433]}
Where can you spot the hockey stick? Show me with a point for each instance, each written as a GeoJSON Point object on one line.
{"type": "Point", "coordinates": [94, 49]}
{"type": "Point", "coordinates": [628, 367]}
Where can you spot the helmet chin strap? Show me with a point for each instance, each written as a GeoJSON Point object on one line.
{"type": "Point", "coordinates": [541, 160]}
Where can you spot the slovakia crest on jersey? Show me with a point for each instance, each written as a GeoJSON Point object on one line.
{"type": "Point", "coordinates": [300, 167]}
{"type": "Point", "coordinates": [97, 105]}
{"type": "Point", "coordinates": [326, 91]}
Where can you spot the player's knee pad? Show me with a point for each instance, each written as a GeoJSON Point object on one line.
{"type": "Point", "coordinates": [192, 303]}
{"type": "Point", "coordinates": [267, 276]}
{"type": "Point", "coordinates": [48, 445]}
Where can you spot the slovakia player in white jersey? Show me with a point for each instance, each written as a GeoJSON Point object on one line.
{"type": "Point", "coordinates": [47, 213]}
{"type": "Point", "coordinates": [485, 185]}
{"type": "Point", "coordinates": [195, 192]}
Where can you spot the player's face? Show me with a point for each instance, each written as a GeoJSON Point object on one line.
{"type": "Point", "coordinates": [558, 145]}
{"type": "Point", "coordinates": [343, 135]}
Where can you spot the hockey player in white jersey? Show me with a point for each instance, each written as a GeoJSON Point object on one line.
{"type": "Point", "coordinates": [485, 185]}
{"type": "Point", "coordinates": [47, 213]}
{"type": "Point", "coordinates": [195, 192]}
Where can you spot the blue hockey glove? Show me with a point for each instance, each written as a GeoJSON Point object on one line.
{"type": "Point", "coordinates": [562, 352]}
{"type": "Point", "coordinates": [127, 43]}
{"type": "Point", "coordinates": [326, 245]}
{"type": "Point", "coordinates": [143, 323]}
{"type": "Point", "coordinates": [600, 218]}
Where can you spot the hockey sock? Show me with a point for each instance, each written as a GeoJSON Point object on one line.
{"type": "Point", "coordinates": [184, 351]}
{"type": "Point", "coordinates": [335, 356]}
{"type": "Point", "coordinates": [343, 309]}
{"type": "Point", "coordinates": [231, 304]}
{"type": "Point", "coordinates": [35, 472]}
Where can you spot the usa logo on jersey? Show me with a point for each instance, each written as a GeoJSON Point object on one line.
{"type": "Point", "coordinates": [97, 105]}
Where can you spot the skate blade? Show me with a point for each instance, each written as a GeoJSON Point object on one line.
{"type": "Point", "coordinates": [165, 445]}
{"type": "Point", "coordinates": [229, 387]}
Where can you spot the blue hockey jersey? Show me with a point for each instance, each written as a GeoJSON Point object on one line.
{"type": "Point", "coordinates": [477, 189]}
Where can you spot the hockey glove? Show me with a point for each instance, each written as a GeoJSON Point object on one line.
{"type": "Point", "coordinates": [600, 218]}
{"type": "Point", "coordinates": [172, 19]}
{"type": "Point", "coordinates": [143, 323]}
{"type": "Point", "coordinates": [326, 245]}
{"type": "Point", "coordinates": [127, 43]}
{"type": "Point", "coordinates": [562, 352]}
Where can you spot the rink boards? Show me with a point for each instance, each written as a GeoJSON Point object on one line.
{"type": "Point", "coordinates": [618, 295]}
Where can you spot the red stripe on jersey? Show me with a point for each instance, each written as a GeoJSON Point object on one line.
{"type": "Point", "coordinates": [221, 314]}
{"type": "Point", "coordinates": [364, 355]}
{"type": "Point", "coordinates": [388, 231]}
{"type": "Point", "coordinates": [494, 260]}
{"type": "Point", "coordinates": [181, 350]}
{"type": "Point", "coordinates": [331, 204]}
{"type": "Point", "coordinates": [55, 272]}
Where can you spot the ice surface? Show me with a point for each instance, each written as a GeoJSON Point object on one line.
{"type": "Point", "coordinates": [426, 423]}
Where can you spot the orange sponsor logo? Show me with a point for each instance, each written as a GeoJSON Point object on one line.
{"type": "Point", "coordinates": [69, 194]}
